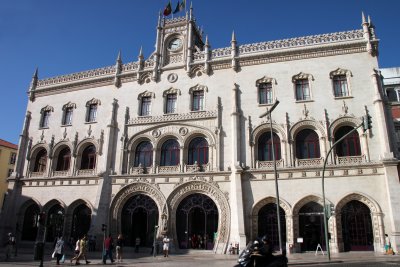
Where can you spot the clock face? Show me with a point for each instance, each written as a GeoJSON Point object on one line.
{"type": "Point", "coordinates": [175, 44]}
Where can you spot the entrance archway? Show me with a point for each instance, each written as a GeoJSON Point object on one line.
{"type": "Point", "coordinates": [81, 218]}
{"type": "Point", "coordinates": [268, 224]}
{"type": "Point", "coordinates": [311, 226]}
{"type": "Point", "coordinates": [138, 219]}
{"type": "Point", "coordinates": [30, 224]}
{"type": "Point", "coordinates": [55, 222]}
{"type": "Point", "coordinates": [357, 227]}
{"type": "Point", "coordinates": [196, 222]}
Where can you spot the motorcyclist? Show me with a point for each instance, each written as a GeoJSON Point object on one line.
{"type": "Point", "coordinates": [264, 256]}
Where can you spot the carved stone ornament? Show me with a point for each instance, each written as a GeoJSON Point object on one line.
{"type": "Point", "coordinates": [144, 77]}
{"type": "Point", "coordinates": [69, 105]}
{"type": "Point", "coordinates": [47, 108]}
{"type": "Point", "coordinates": [183, 131]}
{"type": "Point", "coordinates": [198, 87]}
{"type": "Point", "coordinates": [173, 77]}
{"type": "Point", "coordinates": [146, 94]}
{"type": "Point", "coordinates": [340, 71]}
{"type": "Point", "coordinates": [265, 79]}
{"type": "Point", "coordinates": [93, 101]}
{"type": "Point", "coordinates": [156, 133]}
{"type": "Point", "coordinates": [302, 76]}
{"type": "Point", "coordinates": [171, 91]}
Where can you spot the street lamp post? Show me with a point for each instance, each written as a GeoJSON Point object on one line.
{"type": "Point", "coordinates": [154, 240]}
{"type": "Point", "coordinates": [269, 112]}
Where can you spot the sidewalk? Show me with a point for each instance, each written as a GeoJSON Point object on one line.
{"type": "Point", "coordinates": [194, 257]}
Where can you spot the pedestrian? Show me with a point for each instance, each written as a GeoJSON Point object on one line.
{"type": "Point", "coordinates": [166, 245]}
{"type": "Point", "coordinates": [108, 246]}
{"type": "Point", "coordinates": [59, 249]}
{"type": "Point", "coordinates": [388, 246]}
{"type": "Point", "coordinates": [84, 248]}
{"type": "Point", "coordinates": [77, 252]}
{"type": "Point", "coordinates": [119, 247]}
{"type": "Point", "coordinates": [10, 243]}
{"type": "Point", "coordinates": [137, 244]}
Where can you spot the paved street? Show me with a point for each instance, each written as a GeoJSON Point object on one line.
{"type": "Point", "coordinates": [208, 259]}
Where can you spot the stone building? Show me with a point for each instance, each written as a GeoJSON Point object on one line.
{"type": "Point", "coordinates": [8, 155]}
{"type": "Point", "coordinates": [176, 141]}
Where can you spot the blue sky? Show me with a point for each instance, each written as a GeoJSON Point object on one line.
{"type": "Point", "coordinates": [65, 36]}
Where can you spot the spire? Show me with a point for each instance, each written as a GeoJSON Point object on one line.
{"type": "Point", "coordinates": [119, 61]}
{"type": "Point", "coordinates": [141, 53]}
{"type": "Point", "coordinates": [207, 44]}
{"type": "Point", "coordinates": [118, 70]}
{"type": "Point", "coordinates": [233, 37]}
{"type": "Point", "coordinates": [33, 85]}
{"type": "Point", "coordinates": [191, 11]}
{"type": "Point", "coordinates": [159, 19]}
{"type": "Point", "coordinates": [141, 58]}
{"type": "Point", "coordinates": [363, 17]}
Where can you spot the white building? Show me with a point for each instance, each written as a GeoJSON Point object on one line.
{"type": "Point", "coordinates": [176, 140]}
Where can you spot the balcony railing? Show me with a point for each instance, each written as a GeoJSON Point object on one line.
{"type": "Point", "coordinates": [197, 168]}
{"type": "Point", "coordinates": [36, 174]}
{"type": "Point", "coordinates": [88, 172]}
{"type": "Point", "coordinates": [140, 170]}
{"type": "Point", "coordinates": [168, 169]}
{"type": "Point", "coordinates": [350, 160]}
{"type": "Point", "coordinates": [309, 162]}
{"type": "Point", "coordinates": [269, 164]}
{"type": "Point", "coordinates": [60, 173]}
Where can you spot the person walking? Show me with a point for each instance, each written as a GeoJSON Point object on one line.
{"type": "Point", "coordinates": [77, 252]}
{"type": "Point", "coordinates": [10, 243]}
{"type": "Point", "coordinates": [108, 246]}
{"type": "Point", "coordinates": [119, 247]}
{"type": "Point", "coordinates": [59, 249]}
{"type": "Point", "coordinates": [83, 246]}
{"type": "Point", "coordinates": [166, 245]}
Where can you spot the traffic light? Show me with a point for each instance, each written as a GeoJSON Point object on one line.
{"type": "Point", "coordinates": [367, 122]}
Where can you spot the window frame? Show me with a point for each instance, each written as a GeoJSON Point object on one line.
{"type": "Point", "coordinates": [92, 110]}
{"type": "Point", "coordinates": [194, 92]}
{"type": "Point", "coordinates": [344, 73]}
{"type": "Point", "coordinates": [170, 156]}
{"type": "Point", "coordinates": [195, 151]}
{"type": "Point", "coordinates": [45, 114]}
{"type": "Point", "coordinates": [303, 78]}
{"type": "Point", "coordinates": [145, 106]}
{"type": "Point", "coordinates": [13, 158]}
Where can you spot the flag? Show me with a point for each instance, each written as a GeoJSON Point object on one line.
{"type": "Point", "coordinates": [168, 9]}
{"type": "Point", "coordinates": [177, 8]}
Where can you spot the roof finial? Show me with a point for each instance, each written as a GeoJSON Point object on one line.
{"type": "Point", "coordinates": [119, 56]}
{"type": "Point", "coordinates": [363, 17]}
{"type": "Point", "coordinates": [191, 11]}
{"type": "Point", "coordinates": [141, 52]}
{"type": "Point", "coordinates": [233, 36]}
{"type": "Point", "coordinates": [159, 19]}
{"type": "Point", "coordinates": [207, 44]}
{"type": "Point", "coordinates": [35, 74]}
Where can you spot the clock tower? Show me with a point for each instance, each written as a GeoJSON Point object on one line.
{"type": "Point", "coordinates": [177, 40]}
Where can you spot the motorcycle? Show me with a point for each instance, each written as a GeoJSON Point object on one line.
{"type": "Point", "coordinates": [254, 255]}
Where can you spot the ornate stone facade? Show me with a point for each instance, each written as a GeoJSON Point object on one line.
{"type": "Point", "coordinates": [100, 163]}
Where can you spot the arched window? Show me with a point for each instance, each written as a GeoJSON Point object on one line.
{"type": "Point", "coordinates": [307, 145]}
{"type": "Point", "coordinates": [265, 147]}
{"type": "Point", "coordinates": [29, 230]}
{"type": "Point", "coordinates": [350, 145]}
{"type": "Point", "coordinates": [88, 158]}
{"type": "Point", "coordinates": [144, 154]}
{"type": "Point", "coordinates": [198, 151]}
{"type": "Point", "coordinates": [170, 153]}
{"type": "Point", "coordinates": [40, 161]}
{"type": "Point", "coordinates": [64, 159]}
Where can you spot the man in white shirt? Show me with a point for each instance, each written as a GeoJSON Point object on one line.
{"type": "Point", "coordinates": [166, 245]}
